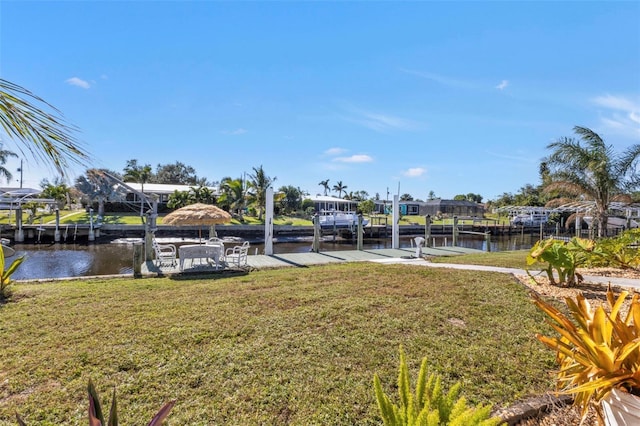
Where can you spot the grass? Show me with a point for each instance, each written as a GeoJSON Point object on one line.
{"type": "Point", "coordinates": [505, 259]}
{"type": "Point", "coordinates": [289, 346]}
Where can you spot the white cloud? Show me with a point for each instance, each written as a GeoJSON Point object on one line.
{"type": "Point", "coordinates": [503, 85]}
{"type": "Point", "coordinates": [75, 81]}
{"type": "Point", "coordinates": [335, 151]}
{"type": "Point", "coordinates": [359, 158]}
{"type": "Point", "coordinates": [415, 172]}
{"type": "Point", "coordinates": [235, 132]}
{"type": "Point", "coordinates": [623, 117]}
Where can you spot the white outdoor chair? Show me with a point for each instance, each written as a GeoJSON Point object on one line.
{"type": "Point", "coordinates": [237, 255]}
{"type": "Point", "coordinates": [165, 253]}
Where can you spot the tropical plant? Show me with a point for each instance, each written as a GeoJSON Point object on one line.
{"type": "Point", "coordinates": [258, 184]}
{"type": "Point", "coordinates": [96, 416]}
{"type": "Point", "coordinates": [291, 198]}
{"type": "Point", "coordinates": [4, 155]}
{"type": "Point", "coordinates": [561, 258]}
{"type": "Point", "coordinates": [5, 276]}
{"type": "Point", "coordinates": [232, 195]}
{"type": "Point", "coordinates": [57, 190]}
{"type": "Point", "coordinates": [429, 406]}
{"type": "Point", "coordinates": [325, 186]}
{"type": "Point", "coordinates": [139, 174]}
{"type": "Point", "coordinates": [339, 187]}
{"type": "Point", "coordinates": [622, 251]}
{"type": "Point", "coordinates": [597, 351]}
{"type": "Point", "coordinates": [592, 171]}
{"type": "Point", "coordinates": [38, 126]}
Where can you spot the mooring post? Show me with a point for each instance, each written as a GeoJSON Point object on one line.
{"type": "Point", "coordinates": [487, 239]}
{"type": "Point", "coordinates": [19, 234]}
{"type": "Point", "coordinates": [455, 231]}
{"type": "Point", "coordinates": [138, 255]}
{"type": "Point", "coordinates": [316, 233]}
{"type": "Point", "coordinates": [427, 230]}
{"type": "Point", "coordinates": [56, 234]}
{"type": "Point", "coordinates": [360, 231]}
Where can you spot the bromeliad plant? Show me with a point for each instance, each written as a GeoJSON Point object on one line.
{"type": "Point", "coordinates": [430, 406]}
{"type": "Point", "coordinates": [597, 351]}
{"type": "Point", "coordinates": [561, 259]}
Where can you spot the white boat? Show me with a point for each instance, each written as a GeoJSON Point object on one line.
{"type": "Point", "coordinates": [339, 219]}
{"type": "Point", "coordinates": [614, 222]}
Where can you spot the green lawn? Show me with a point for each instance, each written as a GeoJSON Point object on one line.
{"type": "Point", "coordinates": [290, 346]}
{"type": "Point", "coordinates": [504, 259]}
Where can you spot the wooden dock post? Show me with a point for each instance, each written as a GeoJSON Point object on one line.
{"type": "Point", "coordinates": [138, 255]}
{"type": "Point", "coordinates": [360, 231]}
{"type": "Point", "coordinates": [427, 230]}
{"type": "Point", "coordinates": [454, 231]}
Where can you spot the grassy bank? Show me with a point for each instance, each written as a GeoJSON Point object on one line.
{"type": "Point", "coordinates": [291, 346]}
{"type": "Point", "coordinates": [503, 259]}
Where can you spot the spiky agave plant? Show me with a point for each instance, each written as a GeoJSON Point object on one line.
{"type": "Point", "coordinates": [597, 351]}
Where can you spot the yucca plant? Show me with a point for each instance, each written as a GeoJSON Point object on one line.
{"type": "Point", "coordinates": [429, 406]}
{"type": "Point", "coordinates": [597, 351]}
{"type": "Point", "coordinates": [561, 258]}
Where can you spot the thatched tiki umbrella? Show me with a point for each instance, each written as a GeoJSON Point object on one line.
{"type": "Point", "coordinates": [198, 214]}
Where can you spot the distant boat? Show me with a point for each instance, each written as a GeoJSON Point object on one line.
{"type": "Point", "coordinates": [340, 219]}
{"type": "Point", "coordinates": [614, 222]}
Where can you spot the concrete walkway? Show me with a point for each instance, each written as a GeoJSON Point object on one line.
{"type": "Point", "coordinates": [386, 256]}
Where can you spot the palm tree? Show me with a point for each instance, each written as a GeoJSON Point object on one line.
{"type": "Point", "coordinates": [4, 155]}
{"type": "Point", "coordinates": [325, 185]}
{"type": "Point", "coordinates": [233, 195]}
{"type": "Point", "coordinates": [139, 174]}
{"type": "Point", "coordinates": [40, 127]}
{"type": "Point", "coordinates": [259, 182]}
{"type": "Point", "coordinates": [339, 187]}
{"type": "Point", "coordinates": [593, 172]}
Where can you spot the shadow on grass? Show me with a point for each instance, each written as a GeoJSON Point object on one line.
{"type": "Point", "coordinates": [199, 275]}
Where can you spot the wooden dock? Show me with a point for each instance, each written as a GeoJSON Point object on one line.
{"type": "Point", "coordinates": [303, 260]}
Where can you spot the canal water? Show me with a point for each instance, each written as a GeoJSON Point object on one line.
{"type": "Point", "coordinates": [77, 260]}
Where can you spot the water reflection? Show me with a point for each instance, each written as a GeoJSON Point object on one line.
{"type": "Point", "coordinates": [77, 260]}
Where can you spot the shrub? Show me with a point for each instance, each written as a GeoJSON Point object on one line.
{"type": "Point", "coordinates": [561, 258]}
{"type": "Point", "coordinates": [429, 406]}
{"type": "Point", "coordinates": [5, 276]}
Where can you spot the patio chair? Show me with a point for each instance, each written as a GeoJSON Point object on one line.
{"type": "Point", "coordinates": [237, 255]}
{"type": "Point", "coordinates": [165, 253]}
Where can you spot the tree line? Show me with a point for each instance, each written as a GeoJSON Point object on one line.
{"type": "Point", "coordinates": [578, 169]}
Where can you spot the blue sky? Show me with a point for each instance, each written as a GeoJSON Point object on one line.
{"type": "Point", "coordinates": [449, 97]}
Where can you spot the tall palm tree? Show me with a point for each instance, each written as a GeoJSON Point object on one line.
{"type": "Point", "coordinates": [258, 183]}
{"type": "Point", "coordinates": [39, 127]}
{"type": "Point", "coordinates": [325, 185]}
{"type": "Point", "coordinates": [339, 188]}
{"type": "Point", "coordinates": [593, 171]}
{"type": "Point", "coordinates": [139, 174]}
{"type": "Point", "coordinates": [4, 155]}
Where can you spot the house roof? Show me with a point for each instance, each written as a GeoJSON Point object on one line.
{"type": "Point", "coordinates": [161, 188]}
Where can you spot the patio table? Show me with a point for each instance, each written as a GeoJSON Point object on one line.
{"type": "Point", "coordinates": [201, 251]}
